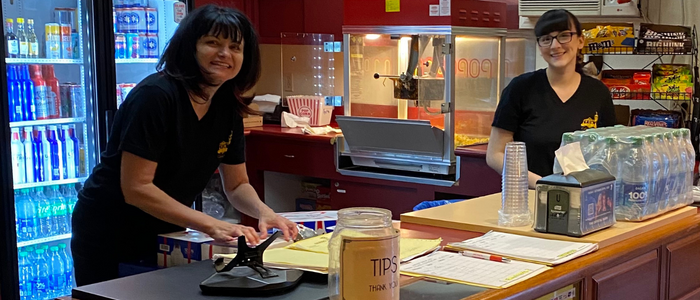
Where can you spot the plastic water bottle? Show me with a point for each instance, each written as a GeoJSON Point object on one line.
{"type": "Point", "coordinates": [606, 160]}
{"type": "Point", "coordinates": [59, 210]}
{"type": "Point", "coordinates": [68, 264]}
{"type": "Point", "coordinates": [673, 170]}
{"type": "Point", "coordinates": [26, 277]}
{"type": "Point", "coordinates": [635, 181]}
{"type": "Point", "coordinates": [46, 228]}
{"type": "Point", "coordinates": [57, 274]}
{"type": "Point", "coordinates": [654, 158]}
{"type": "Point", "coordinates": [688, 144]}
{"type": "Point", "coordinates": [41, 275]}
{"type": "Point", "coordinates": [17, 150]}
{"type": "Point", "coordinates": [71, 197]}
{"type": "Point", "coordinates": [26, 216]}
{"type": "Point", "coordinates": [682, 167]}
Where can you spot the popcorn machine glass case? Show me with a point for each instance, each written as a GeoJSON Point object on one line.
{"type": "Point", "coordinates": [412, 95]}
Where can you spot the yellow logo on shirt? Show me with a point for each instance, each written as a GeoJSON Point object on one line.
{"type": "Point", "coordinates": [223, 146]}
{"type": "Point", "coordinates": [589, 123]}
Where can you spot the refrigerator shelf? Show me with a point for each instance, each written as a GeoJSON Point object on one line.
{"type": "Point", "coordinates": [43, 61]}
{"type": "Point", "coordinates": [45, 240]}
{"type": "Point", "coordinates": [136, 61]}
{"type": "Point", "coordinates": [47, 122]}
{"type": "Point", "coordinates": [49, 183]}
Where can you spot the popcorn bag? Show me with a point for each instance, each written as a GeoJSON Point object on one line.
{"type": "Point", "coordinates": [313, 107]}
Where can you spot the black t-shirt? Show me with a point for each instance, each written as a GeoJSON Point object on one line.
{"type": "Point", "coordinates": [157, 122]}
{"type": "Point", "coordinates": [531, 109]}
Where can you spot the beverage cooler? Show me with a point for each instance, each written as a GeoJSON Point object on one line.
{"type": "Point", "coordinates": [63, 60]}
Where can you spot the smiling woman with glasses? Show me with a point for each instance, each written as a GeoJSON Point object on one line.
{"type": "Point", "coordinates": [538, 107]}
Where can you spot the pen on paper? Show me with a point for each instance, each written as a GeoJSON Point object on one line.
{"type": "Point", "coordinates": [484, 256]}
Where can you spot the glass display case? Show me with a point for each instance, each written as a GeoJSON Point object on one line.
{"type": "Point", "coordinates": [415, 93]}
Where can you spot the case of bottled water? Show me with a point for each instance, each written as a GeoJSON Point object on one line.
{"type": "Point", "coordinates": [653, 166]}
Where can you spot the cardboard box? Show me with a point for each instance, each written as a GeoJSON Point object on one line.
{"type": "Point", "coordinates": [628, 84]}
{"type": "Point", "coordinates": [184, 247]}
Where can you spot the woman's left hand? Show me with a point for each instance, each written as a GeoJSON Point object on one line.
{"type": "Point", "coordinates": [273, 220]}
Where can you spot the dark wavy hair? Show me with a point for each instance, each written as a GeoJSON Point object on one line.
{"type": "Point", "coordinates": [179, 59]}
{"type": "Point", "coordinates": [560, 20]}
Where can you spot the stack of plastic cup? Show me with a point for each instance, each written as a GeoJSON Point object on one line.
{"type": "Point", "coordinates": [514, 191]}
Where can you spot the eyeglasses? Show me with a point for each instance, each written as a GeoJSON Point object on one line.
{"type": "Point", "coordinates": [563, 38]}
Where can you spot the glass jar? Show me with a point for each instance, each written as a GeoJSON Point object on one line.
{"type": "Point", "coordinates": [364, 256]}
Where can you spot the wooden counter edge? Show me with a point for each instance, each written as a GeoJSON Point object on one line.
{"type": "Point", "coordinates": [578, 269]}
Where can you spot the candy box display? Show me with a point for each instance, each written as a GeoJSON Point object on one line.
{"type": "Point", "coordinates": [657, 118]}
{"type": "Point", "coordinates": [608, 38]}
{"type": "Point", "coordinates": [667, 39]}
{"type": "Point", "coordinates": [628, 84]}
{"type": "Point", "coordinates": [672, 82]}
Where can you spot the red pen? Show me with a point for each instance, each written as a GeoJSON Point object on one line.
{"type": "Point", "coordinates": [484, 256]}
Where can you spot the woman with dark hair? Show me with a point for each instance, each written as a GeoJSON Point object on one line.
{"type": "Point", "coordinates": [538, 107]}
{"type": "Point", "coordinates": [175, 128]}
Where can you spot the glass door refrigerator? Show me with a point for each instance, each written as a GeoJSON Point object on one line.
{"type": "Point", "coordinates": [49, 140]}
{"type": "Point", "coordinates": [139, 32]}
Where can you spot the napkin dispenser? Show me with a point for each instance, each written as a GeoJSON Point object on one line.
{"type": "Point", "coordinates": [576, 204]}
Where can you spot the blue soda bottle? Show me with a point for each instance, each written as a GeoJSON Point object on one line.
{"type": "Point", "coordinates": [59, 210]}
{"type": "Point", "coordinates": [46, 228]}
{"type": "Point", "coordinates": [57, 274]}
{"type": "Point", "coordinates": [57, 172]}
{"type": "Point", "coordinates": [46, 153]}
{"type": "Point", "coordinates": [38, 157]}
{"type": "Point", "coordinates": [27, 86]}
{"type": "Point", "coordinates": [26, 277]}
{"type": "Point", "coordinates": [68, 264]}
{"type": "Point", "coordinates": [26, 216]}
{"type": "Point", "coordinates": [14, 93]}
{"type": "Point", "coordinates": [41, 275]}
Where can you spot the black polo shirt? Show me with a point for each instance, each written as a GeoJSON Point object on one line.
{"type": "Point", "coordinates": [157, 122]}
{"type": "Point", "coordinates": [531, 109]}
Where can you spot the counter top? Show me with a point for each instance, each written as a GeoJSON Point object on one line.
{"type": "Point", "coordinates": [478, 151]}
{"type": "Point", "coordinates": [631, 268]}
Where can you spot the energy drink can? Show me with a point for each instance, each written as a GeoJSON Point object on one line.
{"type": "Point", "coordinates": [132, 45]}
{"type": "Point", "coordinates": [119, 45]}
{"type": "Point", "coordinates": [151, 20]}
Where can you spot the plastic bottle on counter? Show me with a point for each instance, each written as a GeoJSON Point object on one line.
{"type": "Point", "coordinates": [652, 205]}
{"type": "Point", "coordinates": [688, 144]}
{"type": "Point", "coordinates": [674, 168]}
{"type": "Point", "coordinates": [634, 186]}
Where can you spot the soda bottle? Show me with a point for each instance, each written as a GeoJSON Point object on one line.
{"type": "Point", "coordinates": [17, 150]}
{"type": "Point", "coordinates": [46, 153]}
{"type": "Point", "coordinates": [46, 228]}
{"type": "Point", "coordinates": [31, 111]}
{"type": "Point", "coordinates": [68, 264]}
{"type": "Point", "coordinates": [53, 94]}
{"type": "Point", "coordinates": [41, 275]}
{"type": "Point", "coordinates": [38, 150]}
{"type": "Point", "coordinates": [57, 172]}
{"type": "Point", "coordinates": [28, 144]}
{"type": "Point", "coordinates": [78, 150]}
{"type": "Point", "coordinates": [69, 166]}
{"type": "Point", "coordinates": [45, 110]}
{"type": "Point", "coordinates": [22, 38]}
{"type": "Point", "coordinates": [59, 210]}
{"type": "Point", "coordinates": [57, 274]}
{"type": "Point", "coordinates": [33, 41]}
{"type": "Point", "coordinates": [26, 216]}
{"type": "Point", "coordinates": [26, 277]}
{"type": "Point", "coordinates": [11, 42]}
{"type": "Point", "coordinates": [14, 93]}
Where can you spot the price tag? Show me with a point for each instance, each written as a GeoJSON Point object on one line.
{"type": "Point", "coordinates": [393, 5]}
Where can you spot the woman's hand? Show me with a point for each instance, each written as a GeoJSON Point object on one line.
{"type": "Point", "coordinates": [224, 232]}
{"type": "Point", "coordinates": [273, 220]}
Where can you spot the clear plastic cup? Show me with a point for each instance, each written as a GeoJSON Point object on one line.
{"type": "Point", "coordinates": [514, 189]}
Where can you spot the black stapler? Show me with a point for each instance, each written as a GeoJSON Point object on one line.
{"type": "Point", "coordinates": [246, 275]}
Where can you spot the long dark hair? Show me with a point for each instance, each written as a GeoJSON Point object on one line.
{"type": "Point", "coordinates": [179, 59]}
{"type": "Point", "coordinates": [560, 20]}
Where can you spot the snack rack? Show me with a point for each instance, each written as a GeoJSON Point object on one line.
{"type": "Point", "coordinates": [687, 103]}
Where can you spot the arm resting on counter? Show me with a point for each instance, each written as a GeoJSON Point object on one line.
{"type": "Point", "coordinates": [496, 150]}
{"type": "Point", "coordinates": [137, 185]}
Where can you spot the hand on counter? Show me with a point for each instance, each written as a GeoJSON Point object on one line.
{"type": "Point", "coordinates": [273, 220]}
{"type": "Point", "coordinates": [224, 232]}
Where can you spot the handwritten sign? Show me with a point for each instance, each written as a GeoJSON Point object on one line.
{"type": "Point", "coordinates": [369, 267]}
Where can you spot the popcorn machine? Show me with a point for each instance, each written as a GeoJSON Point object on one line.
{"type": "Point", "coordinates": [413, 93]}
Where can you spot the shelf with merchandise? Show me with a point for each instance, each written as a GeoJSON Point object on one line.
{"type": "Point", "coordinates": [622, 50]}
{"type": "Point", "coordinates": [54, 238]}
{"type": "Point", "coordinates": [661, 96]}
{"type": "Point", "coordinates": [136, 60]}
{"type": "Point", "coordinates": [49, 183]}
{"type": "Point", "coordinates": [47, 122]}
{"type": "Point", "coordinates": [43, 61]}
